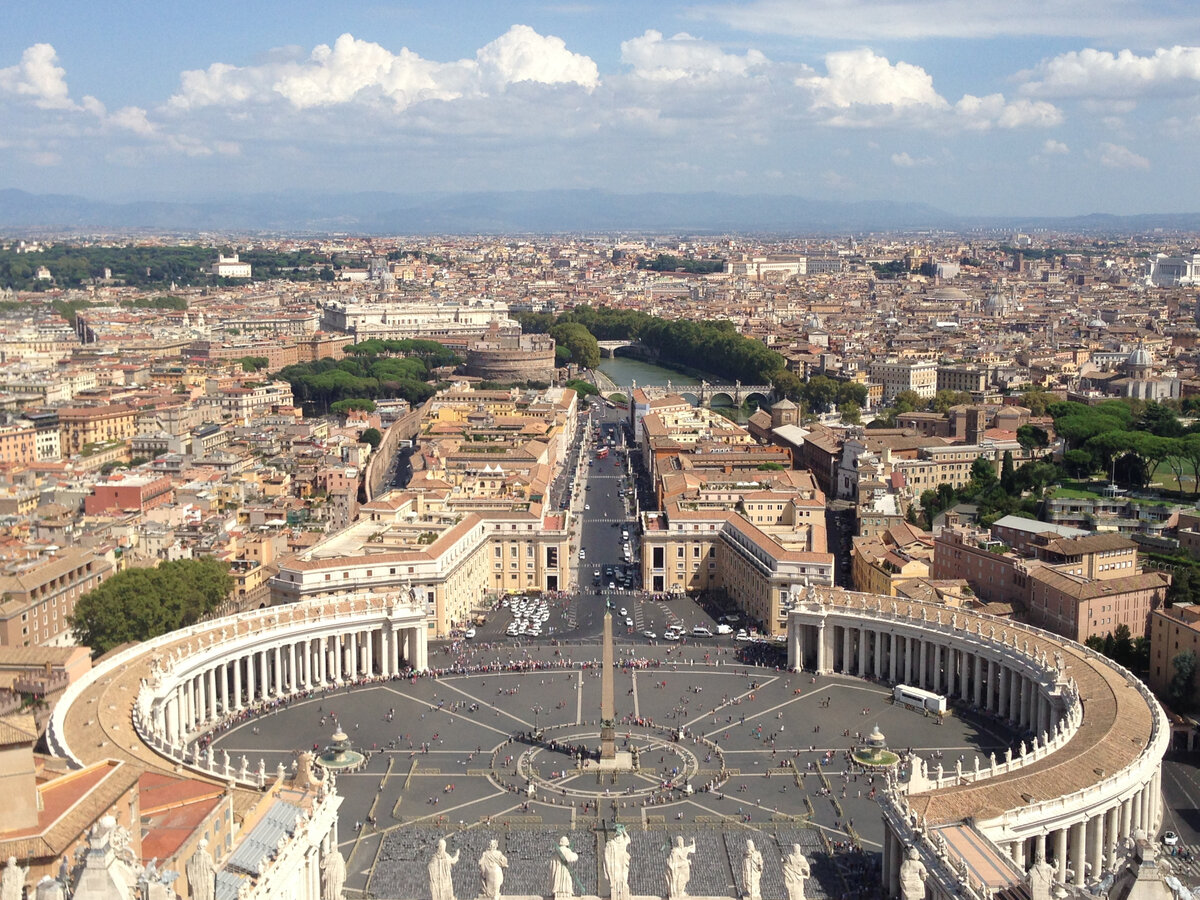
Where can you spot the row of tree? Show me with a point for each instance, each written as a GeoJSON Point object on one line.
{"type": "Point", "coordinates": [319, 385]}
{"type": "Point", "coordinates": [139, 604]}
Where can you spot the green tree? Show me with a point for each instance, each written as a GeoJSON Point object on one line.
{"type": "Point", "coordinates": [1181, 692]}
{"type": "Point", "coordinates": [371, 436]}
{"type": "Point", "coordinates": [1036, 401]}
{"type": "Point", "coordinates": [983, 472]}
{"type": "Point", "coordinates": [906, 402]}
{"type": "Point", "coordinates": [1008, 476]}
{"type": "Point", "coordinates": [582, 388]}
{"type": "Point", "coordinates": [585, 352]}
{"type": "Point", "coordinates": [851, 414]}
{"type": "Point", "coordinates": [944, 399]}
{"type": "Point", "coordinates": [820, 393]}
{"type": "Point", "coordinates": [139, 604]}
{"type": "Point", "coordinates": [326, 274]}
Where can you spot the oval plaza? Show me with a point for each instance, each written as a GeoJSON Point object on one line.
{"type": "Point", "coordinates": [1084, 779]}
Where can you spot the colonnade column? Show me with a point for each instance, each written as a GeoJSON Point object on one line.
{"type": "Point", "coordinates": [1095, 842]}
{"type": "Point", "coordinates": [978, 680]}
{"type": "Point", "coordinates": [264, 670]}
{"type": "Point", "coordinates": [198, 687]}
{"type": "Point", "coordinates": [862, 653]}
{"type": "Point", "coordinates": [336, 655]}
{"type": "Point", "coordinates": [224, 683]}
{"type": "Point", "coordinates": [237, 684]}
{"type": "Point", "coordinates": [1111, 836]}
{"type": "Point", "coordinates": [952, 658]}
{"type": "Point", "coordinates": [892, 656]}
{"type": "Point", "coordinates": [921, 674]}
{"type": "Point", "coordinates": [936, 684]}
{"type": "Point", "coordinates": [212, 693]}
{"type": "Point", "coordinates": [822, 662]}
{"type": "Point", "coordinates": [877, 639]}
{"type": "Point", "coordinates": [1078, 852]}
{"type": "Point", "coordinates": [1060, 854]}
{"type": "Point", "coordinates": [846, 657]}
{"type": "Point", "coordinates": [908, 659]}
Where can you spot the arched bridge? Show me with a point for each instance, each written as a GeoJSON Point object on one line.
{"type": "Point", "coordinates": [636, 349]}
{"type": "Point", "coordinates": [706, 394]}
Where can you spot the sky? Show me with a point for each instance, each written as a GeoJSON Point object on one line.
{"type": "Point", "coordinates": [978, 107]}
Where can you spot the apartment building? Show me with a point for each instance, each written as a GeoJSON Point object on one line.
{"type": "Point", "coordinates": [1076, 587]}
{"type": "Point", "coordinates": [409, 542]}
{"type": "Point", "coordinates": [122, 491]}
{"type": "Point", "coordinates": [87, 425]}
{"type": "Point", "coordinates": [1172, 631]}
{"type": "Point", "coordinates": [760, 541]}
{"type": "Point", "coordinates": [896, 375]}
{"type": "Point", "coordinates": [39, 593]}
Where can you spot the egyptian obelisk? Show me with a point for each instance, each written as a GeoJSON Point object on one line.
{"type": "Point", "coordinates": [608, 712]}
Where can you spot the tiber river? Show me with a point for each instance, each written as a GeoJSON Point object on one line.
{"type": "Point", "coordinates": [625, 372]}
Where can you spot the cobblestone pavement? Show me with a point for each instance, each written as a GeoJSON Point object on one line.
{"type": "Point", "coordinates": [443, 756]}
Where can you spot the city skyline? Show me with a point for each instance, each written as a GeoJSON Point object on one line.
{"type": "Point", "coordinates": [1013, 110]}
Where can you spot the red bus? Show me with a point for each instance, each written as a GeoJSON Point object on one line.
{"type": "Point", "coordinates": [602, 453]}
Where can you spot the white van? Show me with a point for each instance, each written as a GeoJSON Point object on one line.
{"type": "Point", "coordinates": [701, 631]}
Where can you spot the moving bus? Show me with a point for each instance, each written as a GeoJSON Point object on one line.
{"type": "Point", "coordinates": [602, 453]}
{"type": "Point", "coordinates": [918, 698]}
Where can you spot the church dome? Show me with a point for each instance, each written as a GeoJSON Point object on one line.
{"type": "Point", "coordinates": [1140, 359]}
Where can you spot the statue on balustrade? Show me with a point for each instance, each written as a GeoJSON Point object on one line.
{"type": "Point", "coordinates": [491, 871]}
{"type": "Point", "coordinates": [795, 871]}
{"type": "Point", "coordinates": [333, 875]}
{"type": "Point", "coordinates": [1041, 876]}
{"type": "Point", "coordinates": [912, 876]}
{"type": "Point", "coordinates": [752, 867]}
{"type": "Point", "coordinates": [679, 869]}
{"type": "Point", "coordinates": [441, 887]}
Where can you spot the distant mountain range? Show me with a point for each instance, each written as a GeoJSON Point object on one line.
{"type": "Point", "coordinates": [514, 212]}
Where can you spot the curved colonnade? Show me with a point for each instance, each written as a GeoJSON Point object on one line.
{"type": "Point", "coordinates": [174, 689]}
{"type": "Point", "coordinates": [1085, 778]}
{"type": "Point", "coordinates": [1087, 774]}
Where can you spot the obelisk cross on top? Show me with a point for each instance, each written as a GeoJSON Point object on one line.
{"type": "Point", "coordinates": [608, 711]}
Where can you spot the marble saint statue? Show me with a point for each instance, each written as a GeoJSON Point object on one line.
{"type": "Point", "coordinates": [333, 875]}
{"type": "Point", "coordinates": [440, 885]}
{"type": "Point", "coordinates": [912, 876]}
{"type": "Point", "coordinates": [491, 871]}
{"type": "Point", "coordinates": [201, 873]}
{"type": "Point", "coordinates": [795, 871]}
{"type": "Point", "coordinates": [1041, 876]}
{"type": "Point", "coordinates": [561, 881]}
{"type": "Point", "coordinates": [752, 867]}
{"type": "Point", "coordinates": [679, 869]}
{"type": "Point", "coordinates": [616, 864]}
{"type": "Point", "coordinates": [12, 880]}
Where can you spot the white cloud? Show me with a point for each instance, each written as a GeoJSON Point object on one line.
{"type": "Point", "coordinates": [1055, 148]}
{"type": "Point", "coordinates": [355, 70]}
{"type": "Point", "coordinates": [521, 54]}
{"type": "Point", "coordinates": [862, 78]}
{"type": "Point", "coordinates": [905, 161]}
{"type": "Point", "coordinates": [133, 118]}
{"type": "Point", "coordinates": [682, 56]}
{"type": "Point", "coordinates": [1115, 156]}
{"type": "Point", "coordinates": [1099, 73]}
{"type": "Point", "coordinates": [930, 19]}
{"type": "Point", "coordinates": [39, 77]}
{"type": "Point", "coordinates": [983, 112]}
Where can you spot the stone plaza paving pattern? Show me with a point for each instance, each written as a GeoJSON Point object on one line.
{"type": "Point", "coordinates": [444, 759]}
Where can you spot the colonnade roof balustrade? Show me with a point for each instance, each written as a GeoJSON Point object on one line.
{"type": "Point", "coordinates": [94, 719]}
{"type": "Point", "coordinates": [1122, 724]}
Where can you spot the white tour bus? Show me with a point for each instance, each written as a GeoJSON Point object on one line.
{"type": "Point", "coordinates": [918, 698]}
